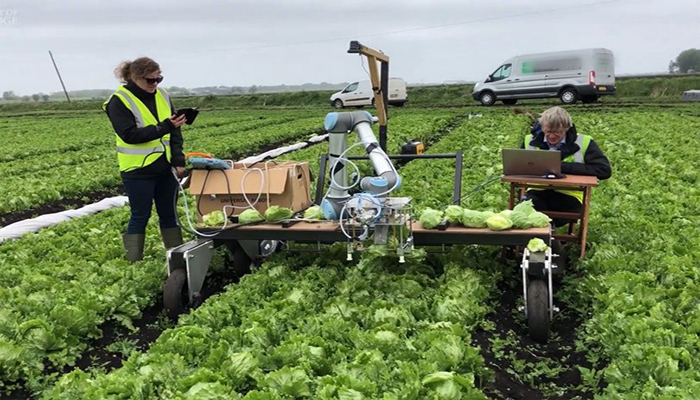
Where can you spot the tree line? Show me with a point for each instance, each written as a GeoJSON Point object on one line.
{"type": "Point", "coordinates": [687, 61]}
{"type": "Point", "coordinates": [10, 95]}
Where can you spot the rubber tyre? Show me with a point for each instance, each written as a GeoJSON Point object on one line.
{"type": "Point", "coordinates": [338, 103]}
{"type": "Point", "coordinates": [537, 310]}
{"type": "Point", "coordinates": [175, 295]}
{"type": "Point", "coordinates": [487, 99]}
{"type": "Point", "coordinates": [568, 96]}
{"type": "Point", "coordinates": [508, 254]}
{"type": "Point", "coordinates": [510, 102]}
{"type": "Point", "coordinates": [374, 103]}
{"type": "Point", "coordinates": [563, 260]}
{"type": "Point", "coordinates": [241, 262]}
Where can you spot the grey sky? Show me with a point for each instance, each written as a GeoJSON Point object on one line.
{"type": "Point", "coordinates": [269, 42]}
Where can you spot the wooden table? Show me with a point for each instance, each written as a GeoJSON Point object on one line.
{"type": "Point", "coordinates": [518, 184]}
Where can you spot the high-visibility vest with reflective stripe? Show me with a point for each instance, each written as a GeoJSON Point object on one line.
{"type": "Point", "coordinates": [134, 156]}
{"type": "Point", "coordinates": [582, 141]}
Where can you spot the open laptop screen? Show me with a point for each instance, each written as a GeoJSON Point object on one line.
{"type": "Point", "coordinates": [531, 162]}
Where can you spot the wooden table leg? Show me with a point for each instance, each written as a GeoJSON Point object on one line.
{"type": "Point", "coordinates": [511, 200]}
{"type": "Point", "coordinates": [583, 233]}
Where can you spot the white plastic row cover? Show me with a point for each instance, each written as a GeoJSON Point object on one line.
{"type": "Point", "coordinates": [18, 229]}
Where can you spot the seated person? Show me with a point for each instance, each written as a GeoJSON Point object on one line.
{"type": "Point", "coordinates": [580, 155]}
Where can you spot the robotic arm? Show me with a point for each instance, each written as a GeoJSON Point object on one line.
{"type": "Point", "coordinates": [387, 179]}
{"type": "Point", "coordinates": [370, 212]}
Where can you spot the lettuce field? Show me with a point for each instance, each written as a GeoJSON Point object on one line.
{"type": "Point", "coordinates": [77, 321]}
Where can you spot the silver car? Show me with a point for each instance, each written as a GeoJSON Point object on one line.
{"type": "Point", "coordinates": [571, 76]}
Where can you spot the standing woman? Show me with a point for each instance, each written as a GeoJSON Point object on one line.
{"type": "Point", "coordinates": [149, 146]}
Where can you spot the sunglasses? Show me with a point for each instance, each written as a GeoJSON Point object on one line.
{"type": "Point", "coordinates": [153, 81]}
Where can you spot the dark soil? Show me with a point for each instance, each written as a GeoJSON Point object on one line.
{"type": "Point", "coordinates": [149, 327]}
{"type": "Point", "coordinates": [19, 394]}
{"type": "Point", "coordinates": [92, 197]}
{"type": "Point", "coordinates": [559, 351]}
{"type": "Point", "coordinates": [454, 122]}
{"type": "Point", "coordinates": [61, 205]}
{"type": "Point", "coordinates": [275, 145]}
{"type": "Point", "coordinates": [435, 137]}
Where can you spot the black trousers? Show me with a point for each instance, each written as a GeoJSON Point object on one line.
{"type": "Point", "coordinates": [143, 193]}
{"type": "Point", "coordinates": [550, 200]}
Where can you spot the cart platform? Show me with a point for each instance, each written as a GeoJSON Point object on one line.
{"type": "Point", "coordinates": [188, 264]}
{"type": "Point", "coordinates": [329, 232]}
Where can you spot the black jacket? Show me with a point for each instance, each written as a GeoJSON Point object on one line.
{"type": "Point", "coordinates": [124, 125]}
{"type": "Point", "coordinates": [595, 163]}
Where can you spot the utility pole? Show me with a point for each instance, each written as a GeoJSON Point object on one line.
{"type": "Point", "coordinates": [59, 76]}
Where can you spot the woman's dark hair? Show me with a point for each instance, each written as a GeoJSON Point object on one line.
{"type": "Point", "coordinates": [140, 67]}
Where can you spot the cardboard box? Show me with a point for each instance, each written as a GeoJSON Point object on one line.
{"type": "Point", "coordinates": [284, 184]}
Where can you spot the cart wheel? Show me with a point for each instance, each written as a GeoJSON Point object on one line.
{"type": "Point", "coordinates": [563, 260]}
{"type": "Point", "coordinates": [509, 254]}
{"type": "Point", "coordinates": [241, 262]}
{"type": "Point", "coordinates": [175, 295]}
{"type": "Point", "coordinates": [538, 310]}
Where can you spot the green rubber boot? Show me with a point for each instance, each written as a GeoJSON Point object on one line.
{"type": "Point", "coordinates": [172, 237]}
{"type": "Point", "coordinates": [133, 244]}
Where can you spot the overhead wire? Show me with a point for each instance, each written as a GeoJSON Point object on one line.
{"type": "Point", "coordinates": [415, 29]}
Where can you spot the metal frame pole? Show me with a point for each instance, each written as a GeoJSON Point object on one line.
{"type": "Point", "coordinates": [59, 76]}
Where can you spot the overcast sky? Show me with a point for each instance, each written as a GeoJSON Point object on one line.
{"type": "Point", "coordinates": [269, 42]}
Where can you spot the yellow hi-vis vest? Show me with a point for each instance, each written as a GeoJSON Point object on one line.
{"type": "Point", "coordinates": [134, 156]}
{"type": "Point", "coordinates": [582, 141]}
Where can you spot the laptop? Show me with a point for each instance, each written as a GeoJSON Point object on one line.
{"type": "Point", "coordinates": [535, 163]}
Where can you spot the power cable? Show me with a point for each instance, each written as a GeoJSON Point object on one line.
{"type": "Point", "coordinates": [423, 28]}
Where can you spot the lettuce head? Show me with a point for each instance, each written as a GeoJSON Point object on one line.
{"type": "Point", "coordinates": [277, 214]}
{"type": "Point", "coordinates": [249, 216]}
{"type": "Point", "coordinates": [475, 219]}
{"type": "Point", "coordinates": [498, 222]}
{"type": "Point", "coordinates": [430, 218]}
{"type": "Point", "coordinates": [537, 245]}
{"type": "Point", "coordinates": [539, 220]}
{"type": "Point", "coordinates": [454, 214]}
{"type": "Point", "coordinates": [313, 212]}
{"type": "Point", "coordinates": [214, 218]}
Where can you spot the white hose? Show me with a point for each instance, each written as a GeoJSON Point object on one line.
{"type": "Point", "coordinates": [342, 157]}
{"type": "Point", "coordinates": [260, 191]}
{"type": "Point", "coordinates": [187, 212]}
{"type": "Point", "coordinates": [251, 205]}
{"type": "Point", "coordinates": [335, 164]}
{"type": "Point", "coordinates": [359, 197]}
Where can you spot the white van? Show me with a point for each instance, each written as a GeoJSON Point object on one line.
{"type": "Point", "coordinates": [572, 75]}
{"type": "Point", "coordinates": [361, 94]}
